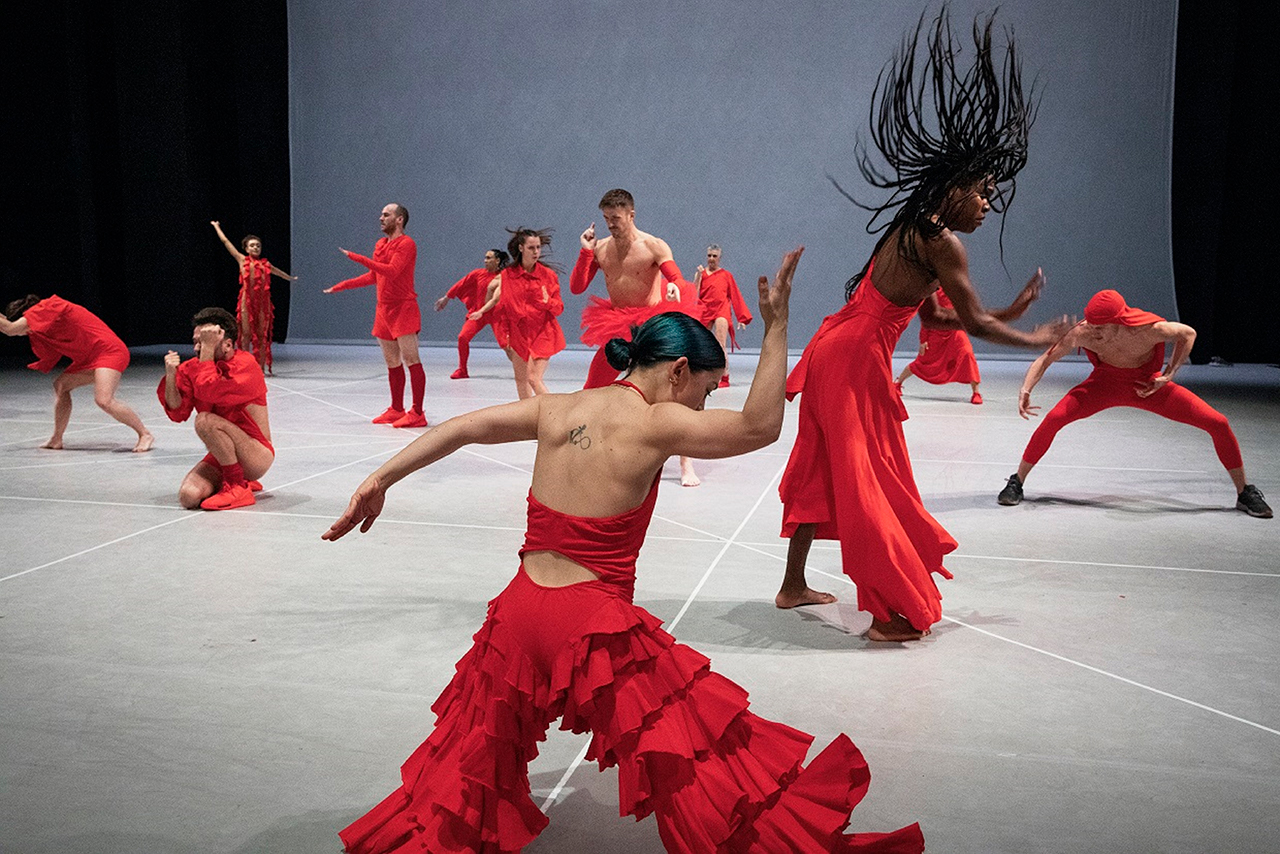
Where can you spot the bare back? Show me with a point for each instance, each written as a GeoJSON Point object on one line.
{"type": "Point", "coordinates": [631, 273]}
{"type": "Point", "coordinates": [904, 283]}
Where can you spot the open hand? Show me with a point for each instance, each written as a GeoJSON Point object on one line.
{"type": "Point", "coordinates": [1049, 333]}
{"type": "Point", "coordinates": [775, 296]}
{"type": "Point", "coordinates": [1025, 409]}
{"type": "Point", "coordinates": [365, 506]}
{"type": "Point", "coordinates": [1146, 389]}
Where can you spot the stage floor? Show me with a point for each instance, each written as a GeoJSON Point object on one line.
{"type": "Point", "coordinates": [1104, 678]}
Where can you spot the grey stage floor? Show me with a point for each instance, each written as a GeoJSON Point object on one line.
{"type": "Point", "coordinates": [1104, 677]}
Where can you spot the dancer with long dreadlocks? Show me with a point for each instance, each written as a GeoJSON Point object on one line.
{"type": "Point", "coordinates": [953, 142]}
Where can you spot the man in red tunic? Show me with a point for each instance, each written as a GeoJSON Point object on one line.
{"type": "Point", "coordinates": [58, 328]}
{"type": "Point", "coordinates": [397, 319]}
{"type": "Point", "coordinates": [634, 264]}
{"type": "Point", "coordinates": [718, 292]}
{"type": "Point", "coordinates": [472, 290]}
{"type": "Point", "coordinates": [946, 355]}
{"type": "Point", "coordinates": [226, 389]}
{"type": "Point", "coordinates": [1126, 346]}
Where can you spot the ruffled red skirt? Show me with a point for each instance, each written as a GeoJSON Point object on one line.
{"type": "Point", "coordinates": [716, 776]}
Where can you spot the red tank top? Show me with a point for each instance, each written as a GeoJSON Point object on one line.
{"type": "Point", "coordinates": [606, 545]}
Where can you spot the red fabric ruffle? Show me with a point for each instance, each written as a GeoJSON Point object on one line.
{"type": "Point", "coordinates": [255, 315]}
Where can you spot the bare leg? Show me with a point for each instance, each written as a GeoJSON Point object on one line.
{"type": "Point", "coordinates": [1024, 469]}
{"type": "Point", "coordinates": [201, 482]}
{"type": "Point", "coordinates": [977, 396]}
{"type": "Point", "coordinates": [794, 590]}
{"type": "Point", "coordinates": [688, 477]}
{"type": "Point", "coordinates": [105, 383]}
{"type": "Point", "coordinates": [536, 368]}
{"type": "Point", "coordinates": [230, 445]}
{"type": "Point", "coordinates": [521, 370]}
{"type": "Point", "coordinates": [896, 630]}
{"type": "Point", "coordinates": [62, 387]}
{"type": "Point", "coordinates": [1238, 478]}
{"type": "Point", "coordinates": [720, 329]}
{"type": "Point", "coordinates": [902, 377]}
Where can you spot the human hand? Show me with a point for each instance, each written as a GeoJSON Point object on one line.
{"type": "Point", "coordinates": [365, 506]}
{"type": "Point", "coordinates": [1025, 409]}
{"type": "Point", "coordinates": [673, 292]}
{"type": "Point", "coordinates": [702, 268]}
{"type": "Point", "coordinates": [346, 252]}
{"type": "Point", "coordinates": [775, 296]}
{"type": "Point", "coordinates": [214, 223]}
{"type": "Point", "coordinates": [441, 303]}
{"type": "Point", "coordinates": [1028, 294]}
{"type": "Point", "coordinates": [329, 290]}
{"type": "Point", "coordinates": [1049, 333]}
{"type": "Point", "coordinates": [171, 361]}
{"type": "Point", "coordinates": [475, 315]}
{"type": "Point", "coordinates": [741, 325]}
{"type": "Point", "coordinates": [1146, 389]}
{"type": "Point", "coordinates": [588, 238]}
{"type": "Point", "coordinates": [210, 334]}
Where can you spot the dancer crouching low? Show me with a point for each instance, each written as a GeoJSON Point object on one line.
{"type": "Point", "coordinates": [564, 640]}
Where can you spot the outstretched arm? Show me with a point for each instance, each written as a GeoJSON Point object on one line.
{"type": "Point", "coordinates": [1060, 348]}
{"type": "Point", "coordinates": [510, 422]}
{"type": "Point", "coordinates": [1183, 338]}
{"type": "Point", "coordinates": [14, 327]}
{"type": "Point", "coordinates": [282, 274]}
{"type": "Point", "coordinates": [676, 429]}
{"type": "Point", "coordinates": [231, 247]}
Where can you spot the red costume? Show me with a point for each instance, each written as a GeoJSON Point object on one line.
{"type": "Point", "coordinates": [602, 321]}
{"type": "Point", "coordinates": [718, 292]}
{"type": "Point", "coordinates": [530, 316]}
{"type": "Point", "coordinates": [946, 355]}
{"type": "Point", "coordinates": [471, 290]}
{"type": "Point", "coordinates": [849, 471]}
{"type": "Point", "coordinates": [391, 269]}
{"type": "Point", "coordinates": [254, 313]}
{"type": "Point", "coordinates": [224, 388]}
{"type": "Point", "coordinates": [1109, 386]}
{"type": "Point", "coordinates": [58, 328]}
{"type": "Point", "coordinates": [716, 776]}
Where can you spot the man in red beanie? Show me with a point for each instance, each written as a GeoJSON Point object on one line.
{"type": "Point", "coordinates": [1126, 346]}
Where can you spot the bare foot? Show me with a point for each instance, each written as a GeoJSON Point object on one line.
{"type": "Point", "coordinates": [145, 442]}
{"type": "Point", "coordinates": [896, 630]}
{"type": "Point", "coordinates": [688, 477]}
{"type": "Point", "coordinates": [808, 596]}
{"type": "Point", "coordinates": [53, 444]}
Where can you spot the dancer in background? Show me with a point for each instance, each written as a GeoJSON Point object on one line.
{"type": "Point", "coordinates": [527, 294]}
{"type": "Point", "coordinates": [472, 290]}
{"type": "Point", "coordinates": [397, 318]}
{"type": "Point", "coordinates": [946, 355]}
{"type": "Point", "coordinates": [1127, 348]}
{"type": "Point", "coordinates": [564, 639]}
{"type": "Point", "coordinates": [58, 328]}
{"type": "Point", "coordinates": [254, 312]}
{"type": "Point", "coordinates": [718, 293]}
{"type": "Point", "coordinates": [849, 476]}
{"type": "Point", "coordinates": [225, 388]}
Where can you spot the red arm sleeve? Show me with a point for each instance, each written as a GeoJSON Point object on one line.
{"type": "Point", "coordinates": [231, 383]}
{"type": "Point", "coordinates": [361, 281]}
{"type": "Point", "coordinates": [554, 304]}
{"type": "Point", "coordinates": [183, 381]}
{"type": "Point", "coordinates": [460, 287]}
{"type": "Point", "coordinates": [670, 272]}
{"type": "Point", "coordinates": [740, 309]}
{"type": "Point", "coordinates": [583, 271]}
{"type": "Point", "coordinates": [403, 254]}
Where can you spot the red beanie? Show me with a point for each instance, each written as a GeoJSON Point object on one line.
{"type": "Point", "coordinates": [1109, 307]}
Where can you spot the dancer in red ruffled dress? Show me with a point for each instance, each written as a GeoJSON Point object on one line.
{"type": "Point", "coordinates": [58, 328]}
{"type": "Point", "coordinates": [564, 640]}
{"type": "Point", "coordinates": [849, 476]}
{"type": "Point", "coordinates": [254, 311]}
{"type": "Point", "coordinates": [396, 317]}
{"type": "Point", "coordinates": [473, 291]}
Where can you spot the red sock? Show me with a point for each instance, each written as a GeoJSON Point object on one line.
{"type": "Point", "coordinates": [418, 380]}
{"type": "Point", "coordinates": [464, 351]}
{"type": "Point", "coordinates": [233, 475]}
{"type": "Point", "coordinates": [395, 376]}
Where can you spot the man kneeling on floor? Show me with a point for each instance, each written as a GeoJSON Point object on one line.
{"type": "Point", "coordinates": [226, 389]}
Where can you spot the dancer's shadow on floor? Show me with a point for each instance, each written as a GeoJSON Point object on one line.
{"type": "Point", "coordinates": [315, 831]}
{"type": "Point", "coordinates": [1135, 504]}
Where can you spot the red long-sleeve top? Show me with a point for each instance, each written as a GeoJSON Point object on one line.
{"type": "Point", "coordinates": [58, 328]}
{"type": "Point", "coordinates": [390, 268]}
{"type": "Point", "coordinates": [471, 288]}
{"type": "Point", "coordinates": [224, 388]}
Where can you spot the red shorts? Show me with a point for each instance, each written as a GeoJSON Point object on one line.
{"type": "Point", "coordinates": [393, 319]}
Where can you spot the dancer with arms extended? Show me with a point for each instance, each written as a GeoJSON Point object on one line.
{"type": "Point", "coordinates": [254, 312]}
{"type": "Point", "coordinates": [564, 640]}
{"type": "Point", "coordinates": [849, 476]}
{"type": "Point", "coordinates": [397, 318]}
{"type": "Point", "coordinates": [1127, 346]}
{"type": "Point", "coordinates": [473, 291]}
{"type": "Point", "coordinates": [58, 328]}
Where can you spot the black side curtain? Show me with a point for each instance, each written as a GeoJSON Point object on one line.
{"type": "Point", "coordinates": [136, 123]}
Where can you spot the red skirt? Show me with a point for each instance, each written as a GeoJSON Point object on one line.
{"type": "Point", "coordinates": [947, 358]}
{"type": "Point", "coordinates": [716, 776]}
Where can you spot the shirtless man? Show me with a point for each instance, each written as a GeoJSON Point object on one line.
{"type": "Point", "coordinates": [228, 392]}
{"type": "Point", "coordinates": [58, 328]}
{"type": "Point", "coordinates": [1126, 346]}
{"type": "Point", "coordinates": [397, 319]}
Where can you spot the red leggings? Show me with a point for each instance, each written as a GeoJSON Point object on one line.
{"type": "Point", "coordinates": [469, 330]}
{"type": "Point", "coordinates": [1173, 402]}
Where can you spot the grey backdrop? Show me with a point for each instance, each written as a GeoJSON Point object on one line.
{"type": "Point", "coordinates": [722, 119]}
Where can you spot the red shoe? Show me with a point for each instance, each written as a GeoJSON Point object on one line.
{"type": "Point", "coordinates": [229, 497]}
{"type": "Point", "coordinates": [391, 416]}
{"type": "Point", "coordinates": [977, 398]}
{"type": "Point", "coordinates": [460, 374]}
{"type": "Point", "coordinates": [255, 486]}
{"type": "Point", "coordinates": [724, 382]}
{"type": "Point", "coordinates": [411, 419]}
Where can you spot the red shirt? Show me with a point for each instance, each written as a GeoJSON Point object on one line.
{"type": "Point", "coordinates": [58, 328]}
{"type": "Point", "coordinates": [717, 292]}
{"type": "Point", "coordinates": [224, 388]}
{"type": "Point", "coordinates": [471, 288]}
{"type": "Point", "coordinates": [390, 268]}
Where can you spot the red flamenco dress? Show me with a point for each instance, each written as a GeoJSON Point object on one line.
{"type": "Point", "coordinates": [946, 355]}
{"type": "Point", "coordinates": [254, 313]}
{"type": "Point", "coordinates": [717, 777]}
{"type": "Point", "coordinates": [849, 471]}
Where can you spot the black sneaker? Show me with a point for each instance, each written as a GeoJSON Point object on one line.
{"type": "Point", "coordinates": [1011, 495]}
{"type": "Point", "coordinates": [1250, 501]}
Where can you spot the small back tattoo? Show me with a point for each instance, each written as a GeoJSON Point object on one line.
{"type": "Point", "coordinates": [579, 437]}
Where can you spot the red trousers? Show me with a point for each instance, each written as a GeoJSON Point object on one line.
{"type": "Point", "coordinates": [1100, 391]}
